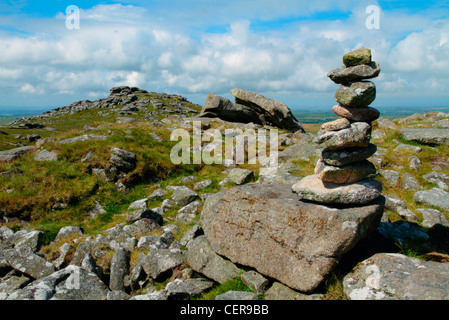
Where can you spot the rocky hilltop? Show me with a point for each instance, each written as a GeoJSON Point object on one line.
{"type": "Point", "coordinates": [93, 208]}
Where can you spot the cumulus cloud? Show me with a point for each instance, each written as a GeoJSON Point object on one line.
{"type": "Point", "coordinates": [130, 45]}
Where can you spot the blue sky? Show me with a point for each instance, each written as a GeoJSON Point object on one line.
{"type": "Point", "coordinates": [282, 49]}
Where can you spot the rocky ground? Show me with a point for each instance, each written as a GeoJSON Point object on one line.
{"type": "Point", "coordinates": [93, 208]}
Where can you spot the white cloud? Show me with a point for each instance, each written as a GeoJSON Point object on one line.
{"type": "Point", "coordinates": [128, 45]}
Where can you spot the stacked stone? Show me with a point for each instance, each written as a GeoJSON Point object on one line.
{"type": "Point", "coordinates": [342, 173]}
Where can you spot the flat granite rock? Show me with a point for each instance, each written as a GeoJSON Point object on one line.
{"type": "Point", "coordinates": [268, 227]}
{"type": "Point", "coordinates": [312, 188]}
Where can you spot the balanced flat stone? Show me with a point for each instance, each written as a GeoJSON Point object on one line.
{"type": "Point", "coordinates": [346, 174]}
{"type": "Point", "coordinates": [364, 114]}
{"type": "Point", "coordinates": [357, 135]}
{"type": "Point", "coordinates": [356, 94]}
{"type": "Point", "coordinates": [335, 125]}
{"type": "Point", "coordinates": [347, 156]}
{"type": "Point", "coordinates": [357, 57]}
{"type": "Point", "coordinates": [268, 228]}
{"type": "Point", "coordinates": [359, 72]}
{"type": "Point", "coordinates": [362, 192]}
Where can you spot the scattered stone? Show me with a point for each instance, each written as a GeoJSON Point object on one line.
{"type": "Point", "coordinates": [65, 232]}
{"type": "Point", "coordinates": [66, 251]}
{"type": "Point", "coordinates": [255, 281]}
{"type": "Point", "coordinates": [159, 261]}
{"type": "Point", "coordinates": [385, 123]}
{"type": "Point", "coordinates": [430, 136]}
{"type": "Point", "coordinates": [202, 184]}
{"type": "Point", "coordinates": [240, 176]}
{"type": "Point", "coordinates": [30, 238]}
{"type": "Point", "coordinates": [159, 193]}
{"type": "Point", "coordinates": [433, 217]}
{"type": "Point", "coordinates": [388, 276]}
{"type": "Point", "coordinates": [123, 160]}
{"type": "Point", "coordinates": [410, 183]}
{"type": "Point", "coordinates": [188, 212]}
{"type": "Point", "coordinates": [82, 138]}
{"type": "Point", "coordinates": [139, 204]}
{"type": "Point", "coordinates": [96, 210]}
{"type": "Point", "coordinates": [440, 179]}
{"type": "Point", "coordinates": [407, 147]}
{"type": "Point", "coordinates": [395, 204]}
{"type": "Point", "coordinates": [391, 176]}
{"type": "Point", "coordinates": [182, 196]}
{"type": "Point", "coordinates": [70, 283]}
{"type": "Point", "coordinates": [435, 197]}
{"type": "Point", "coordinates": [141, 227]}
{"type": "Point", "coordinates": [13, 154]}
{"type": "Point", "coordinates": [184, 289]}
{"type": "Point", "coordinates": [45, 155]}
{"type": "Point", "coordinates": [202, 258]}
{"type": "Point", "coordinates": [23, 259]}
{"type": "Point", "coordinates": [119, 269]}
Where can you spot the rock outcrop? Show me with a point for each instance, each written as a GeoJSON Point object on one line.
{"type": "Point", "coordinates": [251, 107]}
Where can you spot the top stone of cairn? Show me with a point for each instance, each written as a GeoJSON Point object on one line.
{"type": "Point", "coordinates": [357, 57]}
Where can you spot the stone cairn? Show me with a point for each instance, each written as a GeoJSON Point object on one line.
{"type": "Point", "coordinates": [342, 172]}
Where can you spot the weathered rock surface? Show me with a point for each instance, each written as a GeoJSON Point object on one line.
{"type": "Point", "coordinates": [357, 57]}
{"type": "Point", "coordinates": [203, 259]}
{"type": "Point", "coordinates": [268, 228]}
{"type": "Point", "coordinates": [397, 277]}
{"type": "Point", "coordinates": [434, 197]}
{"type": "Point", "coordinates": [223, 108]}
{"type": "Point", "coordinates": [347, 156]}
{"type": "Point", "coordinates": [45, 155]}
{"type": "Point", "coordinates": [431, 136]}
{"type": "Point", "coordinates": [358, 193]}
{"type": "Point", "coordinates": [13, 154]}
{"type": "Point", "coordinates": [345, 174]}
{"type": "Point", "coordinates": [356, 94]}
{"type": "Point", "coordinates": [183, 289]}
{"type": "Point", "coordinates": [357, 135]}
{"type": "Point", "coordinates": [273, 111]}
{"type": "Point", "coordinates": [365, 114]}
{"type": "Point", "coordinates": [23, 259]}
{"type": "Point", "coordinates": [71, 283]}
{"type": "Point", "coordinates": [348, 74]}
{"type": "Point", "coordinates": [83, 138]}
